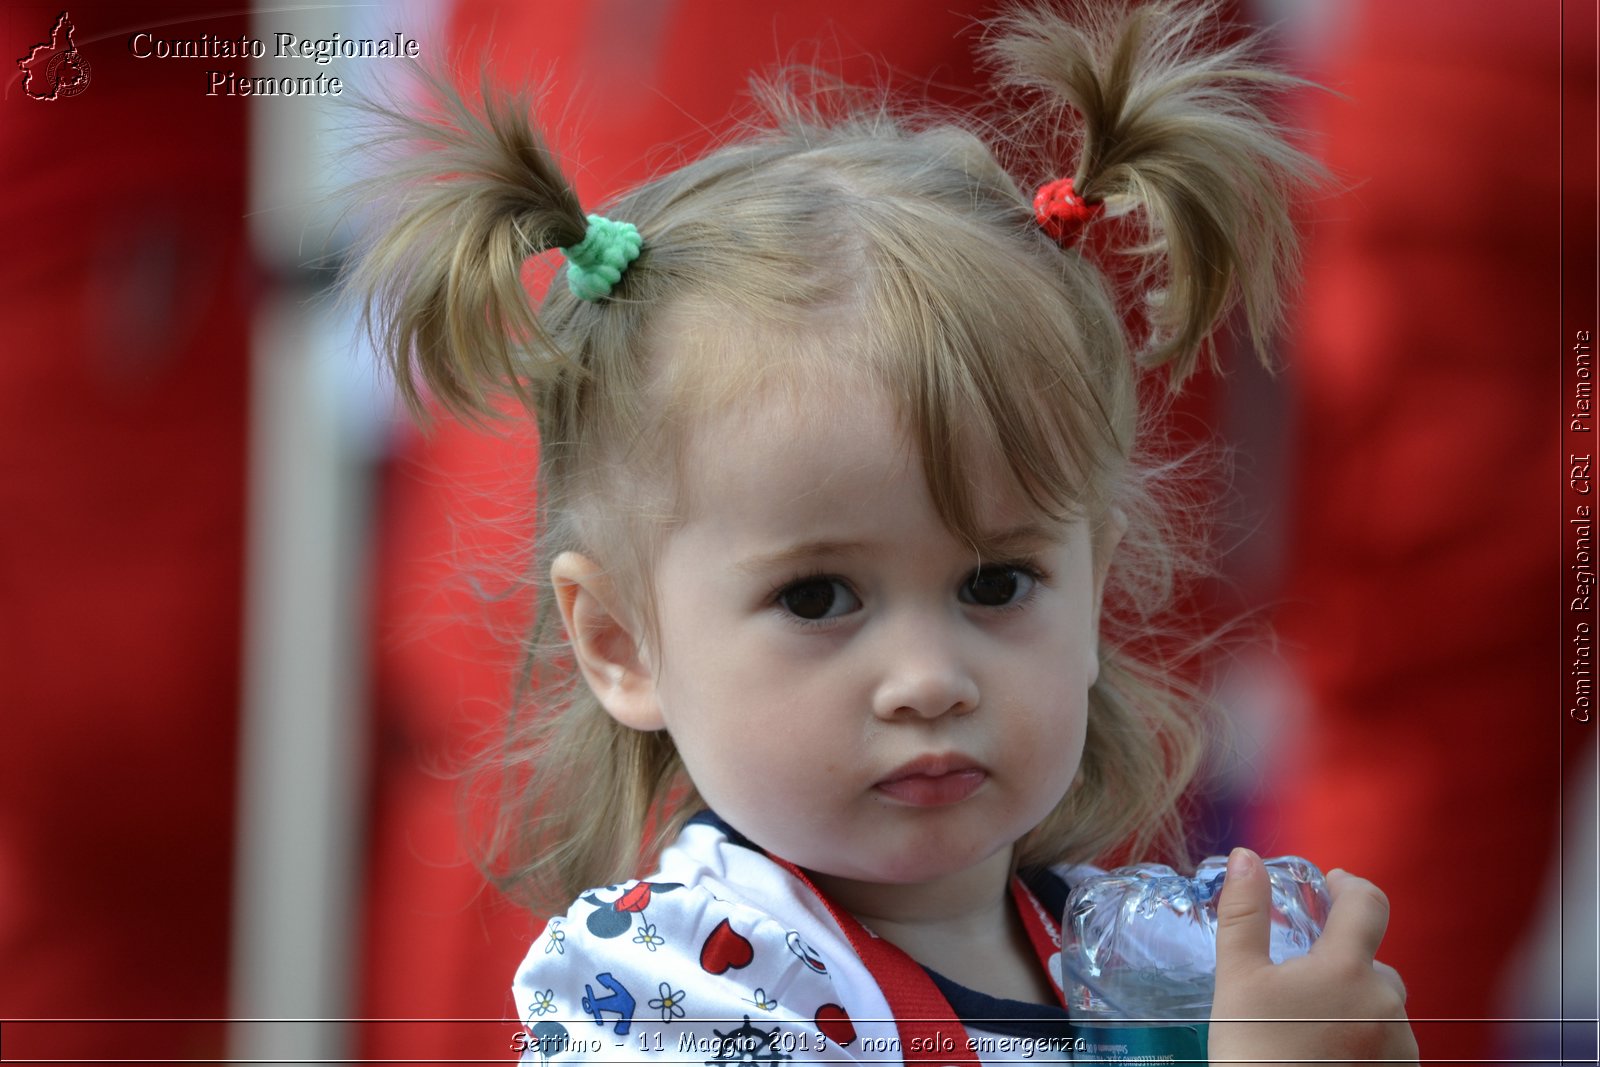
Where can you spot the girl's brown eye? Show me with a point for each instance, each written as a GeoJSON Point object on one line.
{"type": "Point", "coordinates": [818, 598]}
{"type": "Point", "coordinates": [995, 587]}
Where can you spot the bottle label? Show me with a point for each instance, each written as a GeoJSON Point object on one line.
{"type": "Point", "coordinates": [1131, 1043]}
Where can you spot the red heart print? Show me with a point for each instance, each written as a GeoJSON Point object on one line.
{"type": "Point", "coordinates": [635, 899]}
{"type": "Point", "coordinates": [835, 1025]}
{"type": "Point", "coordinates": [725, 950]}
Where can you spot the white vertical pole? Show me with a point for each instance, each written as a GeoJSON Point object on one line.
{"type": "Point", "coordinates": [301, 770]}
{"type": "Point", "coordinates": [302, 764]}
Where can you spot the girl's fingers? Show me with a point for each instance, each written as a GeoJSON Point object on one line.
{"type": "Point", "coordinates": [1244, 914]}
{"type": "Point", "coordinates": [1358, 919]}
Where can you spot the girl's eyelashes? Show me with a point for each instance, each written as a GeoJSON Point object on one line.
{"type": "Point", "coordinates": [820, 598]}
{"type": "Point", "coordinates": [817, 598]}
{"type": "Point", "coordinates": [1001, 585]}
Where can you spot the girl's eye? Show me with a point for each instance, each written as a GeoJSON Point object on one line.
{"type": "Point", "coordinates": [818, 598]}
{"type": "Point", "coordinates": [997, 586]}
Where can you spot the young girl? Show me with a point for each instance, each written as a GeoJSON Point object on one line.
{"type": "Point", "coordinates": [854, 553]}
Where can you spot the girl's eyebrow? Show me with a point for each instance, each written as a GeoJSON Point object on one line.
{"type": "Point", "coordinates": [1018, 540]}
{"type": "Point", "coordinates": [1015, 541]}
{"type": "Point", "coordinates": [798, 553]}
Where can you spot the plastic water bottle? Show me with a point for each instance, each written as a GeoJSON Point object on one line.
{"type": "Point", "coordinates": [1139, 952]}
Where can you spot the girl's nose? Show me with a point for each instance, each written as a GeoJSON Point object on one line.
{"type": "Point", "coordinates": [924, 677]}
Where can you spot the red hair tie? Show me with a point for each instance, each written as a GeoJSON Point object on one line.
{"type": "Point", "coordinates": [1061, 212]}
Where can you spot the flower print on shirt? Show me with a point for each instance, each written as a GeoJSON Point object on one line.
{"type": "Point", "coordinates": [761, 1000]}
{"type": "Point", "coordinates": [648, 937]}
{"type": "Point", "coordinates": [669, 1003]}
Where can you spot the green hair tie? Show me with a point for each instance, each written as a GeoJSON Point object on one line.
{"type": "Point", "coordinates": [595, 264]}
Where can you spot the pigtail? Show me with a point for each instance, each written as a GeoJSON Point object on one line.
{"type": "Point", "coordinates": [474, 192]}
{"type": "Point", "coordinates": [1172, 125]}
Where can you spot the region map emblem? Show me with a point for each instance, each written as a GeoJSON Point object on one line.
{"type": "Point", "coordinates": [55, 69]}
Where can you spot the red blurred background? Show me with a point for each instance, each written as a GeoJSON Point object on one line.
{"type": "Point", "coordinates": [1402, 530]}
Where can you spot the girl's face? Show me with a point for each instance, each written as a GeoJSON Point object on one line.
{"type": "Point", "coordinates": [846, 684]}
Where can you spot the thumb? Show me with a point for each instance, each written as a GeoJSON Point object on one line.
{"type": "Point", "coordinates": [1244, 914]}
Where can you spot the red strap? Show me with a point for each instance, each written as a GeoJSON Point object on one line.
{"type": "Point", "coordinates": [1042, 931]}
{"type": "Point", "coordinates": [925, 1021]}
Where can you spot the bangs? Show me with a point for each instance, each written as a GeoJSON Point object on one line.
{"type": "Point", "coordinates": [980, 352]}
{"type": "Point", "coordinates": [983, 353]}
{"type": "Point", "coordinates": [912, 265]}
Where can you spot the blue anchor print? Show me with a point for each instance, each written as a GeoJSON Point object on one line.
{"type": "Point", "coordinates": [620, 1001]}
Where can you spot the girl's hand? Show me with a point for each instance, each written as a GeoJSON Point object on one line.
{"type": "Point", "coordinates": [1351, 1006]}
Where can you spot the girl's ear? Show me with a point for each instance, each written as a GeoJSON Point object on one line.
{"type": "Point", "coordinates": [605, 642]}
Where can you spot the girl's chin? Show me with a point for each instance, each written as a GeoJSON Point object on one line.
{"type": "Point", "coordinates": [918, 867]}
{"type": "Point", "coordinates": [890, 855]}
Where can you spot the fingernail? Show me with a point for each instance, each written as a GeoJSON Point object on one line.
{"type": "Point", "coordinates": [1240, 861]}
{"type": "Point", "coordinates": [1337, 872]}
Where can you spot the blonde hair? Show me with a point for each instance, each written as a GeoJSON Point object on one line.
{"type": "Point", "coordinates": [982, 331]}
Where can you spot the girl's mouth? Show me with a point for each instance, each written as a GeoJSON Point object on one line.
{"type": "Point", "coordinates": [933, 781]}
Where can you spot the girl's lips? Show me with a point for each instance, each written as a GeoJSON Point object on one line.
{"type": "Point", "coordinates": [933, 781]}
